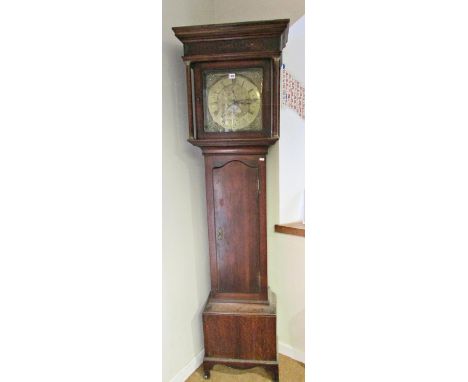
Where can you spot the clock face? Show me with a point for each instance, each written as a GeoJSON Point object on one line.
{"type": "Point", "coordinates": [233, 100]}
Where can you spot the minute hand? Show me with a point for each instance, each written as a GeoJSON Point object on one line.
{"type": "Point", "coordinates": [242, 101]}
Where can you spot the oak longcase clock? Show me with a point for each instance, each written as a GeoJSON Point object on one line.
{"type": "Point", "coordinates": [233, 90]}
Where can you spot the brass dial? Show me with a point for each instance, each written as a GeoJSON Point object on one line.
{"type": "Point", "coordinates": [234, 103]}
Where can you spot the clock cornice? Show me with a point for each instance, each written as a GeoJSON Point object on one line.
{"type": "Point", "coordinates": [208, 42]}
{"type": "Point", "coordinates": [229, 31]}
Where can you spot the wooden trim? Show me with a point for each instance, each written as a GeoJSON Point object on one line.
{"type": "Point", "coordinates": [248, 362]}
{"type": "Point", "coordinates": [263, 227]}
{"type": "Point", "coordinates": [276, 97]}
{"type": "Point", "coordinates": [188, 75]}
{"type": "Point", "coordinates": [211, 223]}
{"type": "Point", "coordinates": [207, 32]}
{"type": "Point", "coordinates": [231, 56]}
{"type": "Point", "coordinates": [246, 298]}
{"type": "Point", "coordinates": [270, 366]}
{"type": "Point", "coordinates": [246, 150]}
{"type": "Point", "coordinates": [297, 228]}
{"type": "Point", "coordinates": [217, 143]}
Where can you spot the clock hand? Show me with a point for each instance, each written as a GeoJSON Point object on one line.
{"type": "Point", "coordinates": [244, 101]}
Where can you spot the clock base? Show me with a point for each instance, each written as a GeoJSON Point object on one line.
{"type": "Point", "coordinates": [240, 335]}
{"type": "Point", "coordinates": [269, 366]}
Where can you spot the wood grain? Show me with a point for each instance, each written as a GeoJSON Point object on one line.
{"type": "Point", "coordinates": [235, 200]}
{"type": "Point", "coordinates": [240, 335]}
{"type": "Point", "coordinates": [297, 228]}
{"type": "Point", "coordinates": [188, 76]}
{"type": "Point", "coordinates": [224, 34]}
{"type": "Point", "coordinates": [236, 205]}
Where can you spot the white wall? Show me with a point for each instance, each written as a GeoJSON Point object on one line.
{"type": "Point", "coordinates": [286, 265]}
{"type": "Point", "coordinates": [285, 268]}
{"type": "Point", "coordinates": [292, 142]}
{"type": "Point", "coordinates": [226, 11]}
{"type": "Point", "coordinates": [285, 252]}
{"type": "Point", "coordinates": [186, 281]}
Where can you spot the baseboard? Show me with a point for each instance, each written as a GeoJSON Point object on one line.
{"type": "Point", "coordinates": [188, 370]}
{"type": "Point", "coordinates": [196, 361]}
{"type": "Point", "coordinates": [290, 352]}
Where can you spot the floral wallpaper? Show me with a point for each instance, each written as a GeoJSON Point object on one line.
{"type": "Point", "coordinates": [293, 93]}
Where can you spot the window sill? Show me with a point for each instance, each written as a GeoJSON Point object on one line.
{"type": "Point", "coordinates": [296, 229]}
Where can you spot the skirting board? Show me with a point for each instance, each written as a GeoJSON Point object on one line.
{"type": "Point", "coordinates": [196, 361]}
{"type": "Point", "coordinates": [188, 370]}
{"type": "Point", "coordinates": [290, 352]}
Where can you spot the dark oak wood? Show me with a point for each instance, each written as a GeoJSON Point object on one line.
{"type": "Point", "coordinates": [230, 56]}
{"type": "Point", "coordinates": [249, 337]}
{"type": "Point", "coordinates": [188, 75]}
{"type": "Point", "coordinates": [219, 142]}
{"type": "Point", "coordinates": [239, 319]}
{"type": "Point", "coordinates": [236, 204]}
{"type": "Point", "coordinates": [250, 36]}
{"type": "Point", "coordinates": [242, 308]}
{"type": "Point", "coordinates": [240, 335]}
{"type": "Point", "coordinates": [276, 96]}
{"type": "Point", "coordinates": [233, 150]}
{"type": "Point", "coordinates": [235, 45]}
{"type": "Point", "coordinates": [297, 229]}
{"type": "Point", "coordinates": [236, 210]}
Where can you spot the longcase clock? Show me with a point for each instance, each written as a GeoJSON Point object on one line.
{"type": "Point", "coordinates": [233, 90]}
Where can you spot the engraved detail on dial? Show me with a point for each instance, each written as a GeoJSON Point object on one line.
{"type": "Point", "coordinates": [234, 103]}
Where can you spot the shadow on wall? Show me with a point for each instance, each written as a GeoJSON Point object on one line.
{"type": "Point", "coordinates": [202, 266]}
{"type": "Point", "coordinates": [174, 101]}
{"type": "Point", "coordinates": [296, 330]}
{"type": "Point", "coordinates": [197, 327]}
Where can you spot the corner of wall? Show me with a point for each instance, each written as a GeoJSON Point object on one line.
{"type": "Point", "coordinates": [188, 369]}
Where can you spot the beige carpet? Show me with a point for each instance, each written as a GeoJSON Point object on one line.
{"type": "Point", "coordinates": [289, 371]}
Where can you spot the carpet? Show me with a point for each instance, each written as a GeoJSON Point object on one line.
{"type": "Point", "coordinates": [290, 370]}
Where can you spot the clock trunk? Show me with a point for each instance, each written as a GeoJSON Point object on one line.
{"type": "Point", "coordinates": [236, 204]}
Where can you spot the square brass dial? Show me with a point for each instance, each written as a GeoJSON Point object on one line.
{"type": "Point", "coordinates": [232, 100]}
